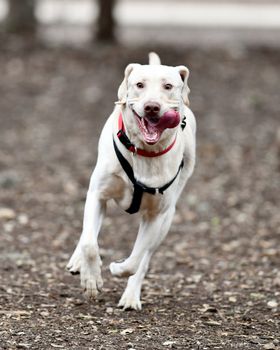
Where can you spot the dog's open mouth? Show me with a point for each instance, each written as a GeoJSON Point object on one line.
{"type": "Point", "coordinates": [148, 127]}
{"type": "Point", "coordinates": [152, 127]}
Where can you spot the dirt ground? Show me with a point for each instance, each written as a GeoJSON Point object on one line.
{"type": "Point", "coordinates": [215, 281]}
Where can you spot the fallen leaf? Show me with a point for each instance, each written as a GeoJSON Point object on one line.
{"type": "Point", "coordinates": [57, 346]}
{"type": "Point", "coordinates": [213, 323]}
{"type": "Point", "coordinates": [15, 312]}
{"type": "Point", "coordinates": [272, 304]}
{"type": "Point", "coordinates": [168, 342]}
{"type": "Point", "coordinates": [109, 310]}
{"type": "Point", "coordinates": [7, 214]}
{"type": "Point", "coordinates": [127, 331]}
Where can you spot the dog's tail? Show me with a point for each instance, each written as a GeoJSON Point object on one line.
{"type": "Point", "coordinates": [154, 58]}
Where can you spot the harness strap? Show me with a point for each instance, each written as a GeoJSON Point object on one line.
{"type": "Point", "coordinates": [139, 187]}
{"type": "Point", "coordinates": [184, 122]}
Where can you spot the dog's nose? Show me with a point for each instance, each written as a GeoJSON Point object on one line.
{"type": "Point", "coordinates": [151, 108]}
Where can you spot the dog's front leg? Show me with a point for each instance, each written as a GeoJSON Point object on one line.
{"type": "Point", "coordinates": [86, 259]}
{"type": "Point", "coordinates": [151, 233]}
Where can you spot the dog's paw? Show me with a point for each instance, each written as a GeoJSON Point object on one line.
{"type": "Point", "coordinates": [91, 281]}
{"type": "Point", "coordinates": [121, 269]}
{"type": "Point", "coordinates": [74, 264]}
{"type": "Point", "coordinates": [86, 262]}
{"type": "Point", "coordinates": [130, 300]}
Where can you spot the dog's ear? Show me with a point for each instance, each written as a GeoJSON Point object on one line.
{"type": "Point", "coordinates": [122, 92]}
{"type": "Point", "coordinates": [184, 73]}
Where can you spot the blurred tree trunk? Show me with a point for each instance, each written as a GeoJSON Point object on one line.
{"type": "Point", "coordinates": [21, 17]}
{"type": "Point", "coordinates": [105, 21]}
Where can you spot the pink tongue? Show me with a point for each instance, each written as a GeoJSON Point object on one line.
{"type": "Point", "coordinates": [153, 131]}
{"type": "Point", "coordinates": [169, 120]}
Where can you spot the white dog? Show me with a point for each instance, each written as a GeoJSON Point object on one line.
{"type": "Point", "coordinates": [146, 154]}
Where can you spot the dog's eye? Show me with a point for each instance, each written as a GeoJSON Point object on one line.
{"type": "Point", "coordinates": [140, 85]}
{"type": "Point", "coordinates": [168, 86]}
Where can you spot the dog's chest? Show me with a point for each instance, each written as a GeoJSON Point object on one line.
{"type": "Point", "coordinates": [123, 191]}
{"type": "Point", "coordinates": [148, 202]}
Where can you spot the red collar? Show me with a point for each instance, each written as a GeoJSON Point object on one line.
{"type": "Point", "coordinates": [131, 147]}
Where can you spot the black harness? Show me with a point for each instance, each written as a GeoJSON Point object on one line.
{"type": "Point", "coordinates": [138, 187]}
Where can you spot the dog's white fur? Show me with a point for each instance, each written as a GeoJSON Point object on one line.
{"type": "Point", "coordinates": [110, 181]}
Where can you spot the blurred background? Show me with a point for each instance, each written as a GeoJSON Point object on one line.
{"type": "Point", "coordinates": [79, 22]}
{"type": "Point", "coordinates": [215, 281]}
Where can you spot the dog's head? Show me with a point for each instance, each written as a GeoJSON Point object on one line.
{"type": "Point", "coordinates": [154, 96]}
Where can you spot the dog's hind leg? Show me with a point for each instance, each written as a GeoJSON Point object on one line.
{"type": "Point", "coordinates": [131, 296]}
{"type": "Point", "coordinates": [151, 233]}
